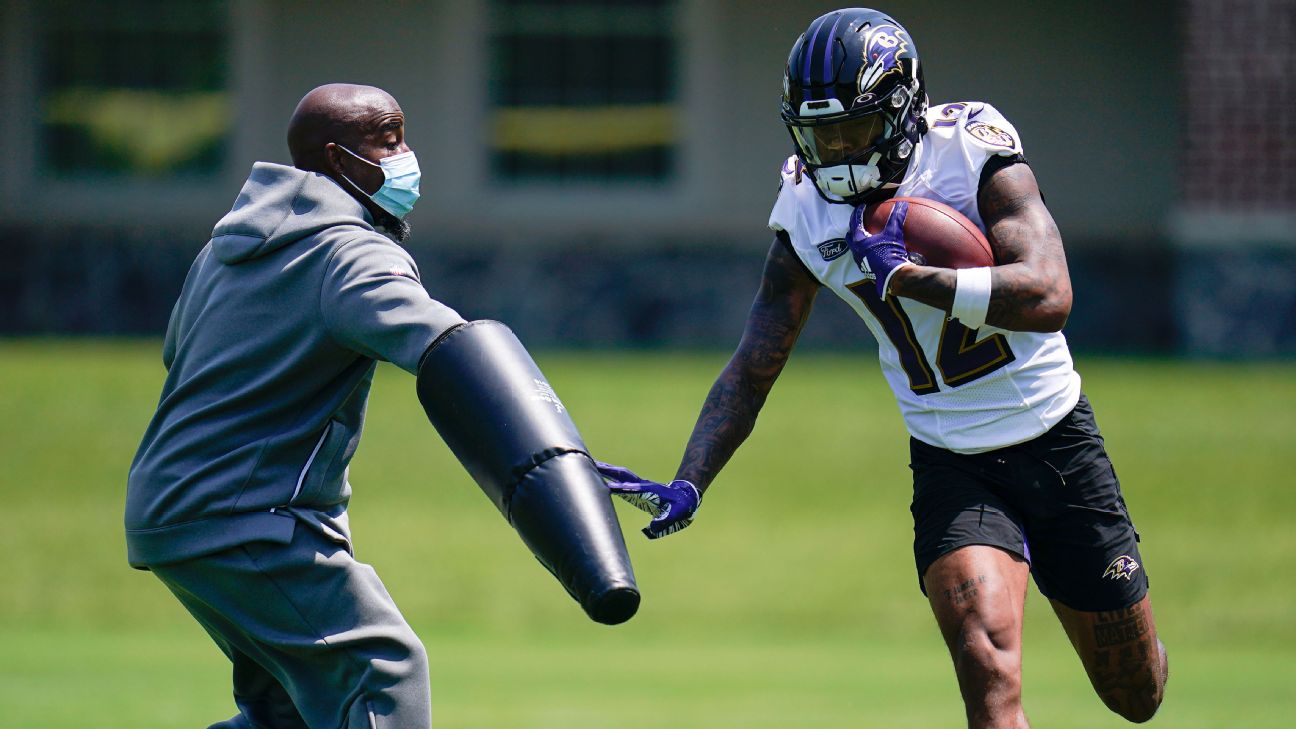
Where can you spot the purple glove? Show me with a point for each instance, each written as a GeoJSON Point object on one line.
{"type": "Point", "coordinates": [672, 505]}
{"type": "Point", "coordinates": [881, 255]}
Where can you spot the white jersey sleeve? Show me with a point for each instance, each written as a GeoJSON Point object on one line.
{"type": "Point", "coordinates": [962, 137]}
{"type": "Point", "coordinates": [963, 390]}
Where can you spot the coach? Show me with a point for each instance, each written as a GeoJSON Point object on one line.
{"type": "Point", "coordinates": [237, 496]}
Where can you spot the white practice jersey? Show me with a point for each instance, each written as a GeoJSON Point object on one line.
{"type": "Point", "coordinates": [959, 389]}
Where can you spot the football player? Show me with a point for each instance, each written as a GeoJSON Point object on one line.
{"type": "Point", "coordinates": [1010, 473]}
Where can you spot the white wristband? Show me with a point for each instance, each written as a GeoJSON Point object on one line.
{"type": "Point", "coordinates": [971, 297]}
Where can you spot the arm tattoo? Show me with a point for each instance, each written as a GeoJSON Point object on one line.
{"type": "Point", "coordinates": [728, 415]}
{"type": "Point", "coordinates": [930, 285]}
{"type": "Point", "coordinates": [1030, 288]}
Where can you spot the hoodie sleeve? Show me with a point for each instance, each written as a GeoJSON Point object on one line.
{"type": "Point", "coordinates": [372, 302]}
{"type": "Point", "coordinates": [169, 341]}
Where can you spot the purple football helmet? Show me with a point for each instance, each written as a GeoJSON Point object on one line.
{"type": "Point", "coordinates": [854, 102]}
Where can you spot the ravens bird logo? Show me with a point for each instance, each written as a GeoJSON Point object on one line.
{"type": "Point", "coordinates": [883, 48]}
{"type": "Point", "coordinates": [1123, 567]}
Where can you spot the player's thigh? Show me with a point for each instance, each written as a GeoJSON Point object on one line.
{"type": "Point", "coordinates": [978, 594]}
{"type": "Point", "coordinates": [1083, 544]}
{"type": "Point", "coordinates": [956, 506]}
{"type": "Point", "coordinates": [1121, 652]}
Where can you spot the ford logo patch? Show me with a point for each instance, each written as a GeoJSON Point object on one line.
{"type": "Point", "coordinates": [834, 248]}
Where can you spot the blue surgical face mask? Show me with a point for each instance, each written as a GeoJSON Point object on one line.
{"type": "Point", "coordinates": [400, 188]}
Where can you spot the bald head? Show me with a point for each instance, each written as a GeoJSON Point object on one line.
{"type": "Point", "coordinates": [341, 113]}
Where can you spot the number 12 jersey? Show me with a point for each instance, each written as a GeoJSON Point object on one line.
{"type": "Point", "coordinates": [964, 390]}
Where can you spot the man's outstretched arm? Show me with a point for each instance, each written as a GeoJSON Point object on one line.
{"type": "Point", "coordinates": [782, 305]}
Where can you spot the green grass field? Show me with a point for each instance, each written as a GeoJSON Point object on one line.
{"type": "Point", "coordinates": [790, 603]}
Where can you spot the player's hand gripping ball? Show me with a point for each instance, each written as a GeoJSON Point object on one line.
{"type": "Point", "coordinates": [672, 505]}
{"type": "Point", "coordinates": [935, 234]}
{"type": "Point", "coordinates": [879, 255]}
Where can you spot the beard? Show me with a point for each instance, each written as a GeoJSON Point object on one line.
{"type": "Point", "coordinates": [397, 229]}
{"type": "Point", "coordinates": [386, 223]}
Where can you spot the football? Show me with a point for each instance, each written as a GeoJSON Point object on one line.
{"type": "Point", "coordinates": [939, 234]}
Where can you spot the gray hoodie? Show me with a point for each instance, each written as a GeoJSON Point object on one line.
{"type": "Point", "coordinates": [270, 353]}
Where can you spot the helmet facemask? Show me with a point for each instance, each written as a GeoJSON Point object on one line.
{"type": "Point", "coordinates": [849, 155]}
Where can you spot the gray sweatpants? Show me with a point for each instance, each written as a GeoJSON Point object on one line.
{"type": "Point", "coordinates": [315, 638]}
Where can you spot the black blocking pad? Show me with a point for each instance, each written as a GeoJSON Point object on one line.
{"type": "Point", "coordinates": [489, 401]}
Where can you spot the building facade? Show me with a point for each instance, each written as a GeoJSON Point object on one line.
{"type": "Point", "coordinates": [594, 171]}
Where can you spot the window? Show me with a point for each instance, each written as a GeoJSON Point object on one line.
{"type": "Point", "coordinates": [133, 88]}
{"type": "Point", "coordinates": [583, 90]}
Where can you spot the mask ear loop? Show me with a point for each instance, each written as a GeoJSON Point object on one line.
{"type": "Point", "coordinates": [362, 159]}
{"type": "Point", "coordinates": [391, 222]}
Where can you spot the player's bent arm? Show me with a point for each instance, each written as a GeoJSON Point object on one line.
{"type": "Point", "coordinates": [1030, 287]}
{"type": "Point", "coordinates": [782, 305]}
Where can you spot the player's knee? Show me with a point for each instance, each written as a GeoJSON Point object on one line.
{"type": "Point", "coordinates": [993, 669]}
{"type": "Point", "coordinates": [1139, 703]}
{"type": "Point", "coordinates": [990, 654]}
{"type": "Point", "coordinates": [1136, 708]}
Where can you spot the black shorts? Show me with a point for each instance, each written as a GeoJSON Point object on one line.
{"type": "Point", "coordinates": [1054, 501]}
